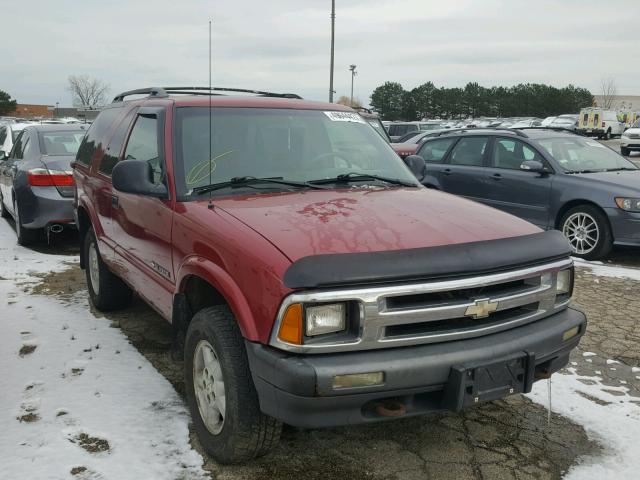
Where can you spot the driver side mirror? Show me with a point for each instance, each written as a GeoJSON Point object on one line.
{"type": "Point", "coordinates": [135, 176]}
{"type": "Point", "coordinates": [533, 166]}
{"type": "Point", "coordinates": [417, 165]}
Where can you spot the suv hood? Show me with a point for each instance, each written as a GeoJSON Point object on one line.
{"type": "Point", "coordinates": [369, 220]}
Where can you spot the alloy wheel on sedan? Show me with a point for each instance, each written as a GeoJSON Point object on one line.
{"type": "Point", "coordinates": [208, 384]}
{"type": "Point", "coordinates": [582, 231]}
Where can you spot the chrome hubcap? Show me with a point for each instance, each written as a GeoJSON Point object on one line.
{"type": "Point", "coordinates": [209, 387]}
{"type": "Point", "coordinates": [94, 269]}
{"type": "Point", "coordinates": [582, 231]}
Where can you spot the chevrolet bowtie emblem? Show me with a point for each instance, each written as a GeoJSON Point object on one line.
{"type": "Point", "coordinates": [481, 308]}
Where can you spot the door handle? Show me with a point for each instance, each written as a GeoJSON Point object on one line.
{"type": "Point", "coordinates": [447, 171]}
{"type": "Point", "coordinates": [496, 176]}
{"type": "Point", "coordinates": [114, 201]}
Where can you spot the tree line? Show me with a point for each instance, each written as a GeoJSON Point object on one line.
{"type": "Point", "coordinates": [393, 102]}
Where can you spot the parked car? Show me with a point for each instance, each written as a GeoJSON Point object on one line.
{"type": "Point", "coordinates": [599, 122]}
{"type": "Point", "coordinates": [547, 121]}
{"type": "Point", "coordinates": [291, 249]}
{"type": "Point", "coordinates": [36, 184]}
{"type": "Point", "coordinates": [373, 119]}
{"type": "Point", "coordinates": [527, 122]}
{"type": "Point", "coordinates": [399, 129]}
{"type": "Point", "coordinates": [566, 122]}
{"type": "Point", "coordinates": [554, 179]}
{"type": "Point", "coordinates": [630, 139]}
{"type": "Point", "coordinates": [8, 134]}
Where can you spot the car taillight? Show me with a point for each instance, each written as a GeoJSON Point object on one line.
{"type": "Point", "coordinates": [603, 124]}
{"type": "Point", "coordinates": [41, 177]}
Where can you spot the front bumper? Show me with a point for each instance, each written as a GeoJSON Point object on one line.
{"type": "Point", "coordinates": [298, 389]}
{"type": "Point", "coordinates": [42, 206]}
{"type": "Point", "coordinates": [625, 227]}
{"type": "Point", "coordinates": [630, 143]}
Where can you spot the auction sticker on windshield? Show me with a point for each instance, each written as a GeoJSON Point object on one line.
{"type": "Point", "coordinates": [344, 117]}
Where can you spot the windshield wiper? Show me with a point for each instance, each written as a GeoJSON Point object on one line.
{"type": "Point", "coordinates": [359, 177]}
{"type": "Point", "coordinates": [250, 181]}
{"type": "Point", "coordinates": [583, 171]}
{"type": "Point", "coordinates": [619, 169]}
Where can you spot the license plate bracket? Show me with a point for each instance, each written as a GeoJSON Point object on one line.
{"type": "Point", "coordinates": [475, 383]}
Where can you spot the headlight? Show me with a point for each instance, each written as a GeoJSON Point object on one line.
{"type": "Point", "coordinates": [564, 282]}
{"type": "Point", "coordinates": [628, 204]}
{"type": "Point", "coordinates": [321, 319]}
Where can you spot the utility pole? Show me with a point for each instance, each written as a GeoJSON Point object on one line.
{"type": "Point", "coordinates": [352, 68]}
{"type": "Point", "coordinates": [333, 36]}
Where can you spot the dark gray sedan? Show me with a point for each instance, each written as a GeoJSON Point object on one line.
{"type": "Point", "coordinates": [554, 179]}
{"type": "Point", "coordinates": [36, 184]}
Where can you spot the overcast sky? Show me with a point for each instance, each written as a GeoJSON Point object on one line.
{"type": "Point", "coordinates": [283, 45]}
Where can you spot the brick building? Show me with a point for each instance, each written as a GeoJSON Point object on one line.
{"type": "Point", "coordinates": [28, 110]}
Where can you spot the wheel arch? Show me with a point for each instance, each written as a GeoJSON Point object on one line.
{"type": "Point", "coordinates": [576, 203]}
{"type": "Point", "coordinates": [201, 283]}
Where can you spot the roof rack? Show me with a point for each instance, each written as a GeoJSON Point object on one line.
{"type": "Point", "coordinates": [163, 92]}
{"type": "Point", "coordinates": [480, 129]}
{"type": "Point", "coordinates": [557, 129]}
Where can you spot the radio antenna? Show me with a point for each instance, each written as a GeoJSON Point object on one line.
{"type": "Point", "coordinates": [210, 125]}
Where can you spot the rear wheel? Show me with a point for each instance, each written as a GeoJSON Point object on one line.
{"type": "Point", "coordinates": [607, 135]}
{"type": "Point", "coordinates": [625, 151]}
{"type": "Point", "coordinates": [220, 391]}
{"type": "Point", "coordinates": [106, 290]}
{"type": "Point", "coordinates": [26, 236]}
{"type": "Point", "coordinates": [588, 232]}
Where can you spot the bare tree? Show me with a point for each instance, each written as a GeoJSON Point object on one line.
{"type": "Point", "coordinates": [608, 90]}
{"type": "Point", "coordinates": [344, 100]}
{"type": "Point", "coordinates": [87, 92]}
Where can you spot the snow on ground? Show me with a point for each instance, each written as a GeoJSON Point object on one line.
{"type": "Point", "coordinates": [603, 270]}
{"type": "Point", "coordinates": [612, 419]}
{"type": "Point", "coordinates": [84, 399]}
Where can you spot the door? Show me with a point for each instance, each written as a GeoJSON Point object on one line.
{"type": "Point", "coordinates": [433, 153]}
{"type": "Point", "coordinates": [464, 170]}
{"type": "Point", "coordinates": [10, 168]}
{"type": "Point", "coordinates": [516, 191]}
{"type": "Point", "coordinates": [142, 224]}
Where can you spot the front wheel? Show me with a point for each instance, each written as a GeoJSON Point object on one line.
{"type": "Point", "coordinates": [106, 290]}
{"type": "Point", "coordinates": [607, 135]}
{"type": "Point", "coordinates": [220, 391]}
{"type": "Point", "coordinates": [625, 151]}
{"type": "Point", "coordinates": [588, 232]}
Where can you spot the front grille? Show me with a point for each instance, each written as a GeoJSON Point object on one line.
{"type": "Point", "coordinates": [459, 324]}
{"type": "Point", "coordinates": [439, 310]}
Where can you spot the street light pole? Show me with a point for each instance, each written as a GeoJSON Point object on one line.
{"type": "Point", "coordinates": [333, 31]}
{"type": "Point", "coordinates": [352, 68]}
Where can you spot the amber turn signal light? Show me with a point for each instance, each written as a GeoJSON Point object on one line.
{"type": "Point", "coordinates": [291, 326]}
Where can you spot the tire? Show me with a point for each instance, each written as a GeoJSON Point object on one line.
{"type": "Point", "coordinates": [625, 151]}
{"type": "Point", "coordinates": [588, 232]}
{"type": "Point", "coordinates": [106, 290]}
{"type": "Point", "coordinates": [607, 135]}
{"type": "Point", "coordinates": [236, 430]}
{"type": "Point", "coordinates": [26, 236]}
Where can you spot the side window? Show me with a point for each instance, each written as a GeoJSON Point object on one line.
{"type": "Point", "coordinates": [112, 154]}
{"type": "Point", "coordinates": [434, 152]}
{"type": "Point", "coordinates": [469, 151]}
{"type": "Point", "coordinates": [16, 152]}
{"type": "Point", "coordinates": [510, 153]}
{"type": "Point", "coordinates": [27, 148]}
{"type": "Point", "coordinates": [3, 135]}
{"type": "Point", "coordinates": [596, 120]}
{"type": "Point", "coordinates": [143, 145]}
{"type": "Point", "coordinates": [94, 137]}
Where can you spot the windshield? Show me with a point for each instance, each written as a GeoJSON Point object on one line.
{"type": "Point", "coordinates": [377, 125]}
{"type": "Point", "coordinates": [575, 154]}
{"type": "Point", "coordinates": [292, 145]}
{"type": "Point", "coordinates": [60, 143]}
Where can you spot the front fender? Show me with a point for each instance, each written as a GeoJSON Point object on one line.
{"type": "Point", "coordinates": [225, 285]}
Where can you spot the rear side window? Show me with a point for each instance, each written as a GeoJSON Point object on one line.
{"type": "Point", "coordinates": [17, 147]}
{"type": "Point", "coordinates": [469, 151]}
{"type": "Point", "coordinates": [434, 152]}
{"type": "Point", "coordinates": [143, 144]}
{"type": "Point", "coordinates": [3, 135]}
{"type": "Point", "coordinates": [112, 154]}
{"type": "Point", "coordinates": [95, 136]}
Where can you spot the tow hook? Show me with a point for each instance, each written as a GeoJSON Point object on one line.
{"type": "Point", "coordinates": [391, 408]}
